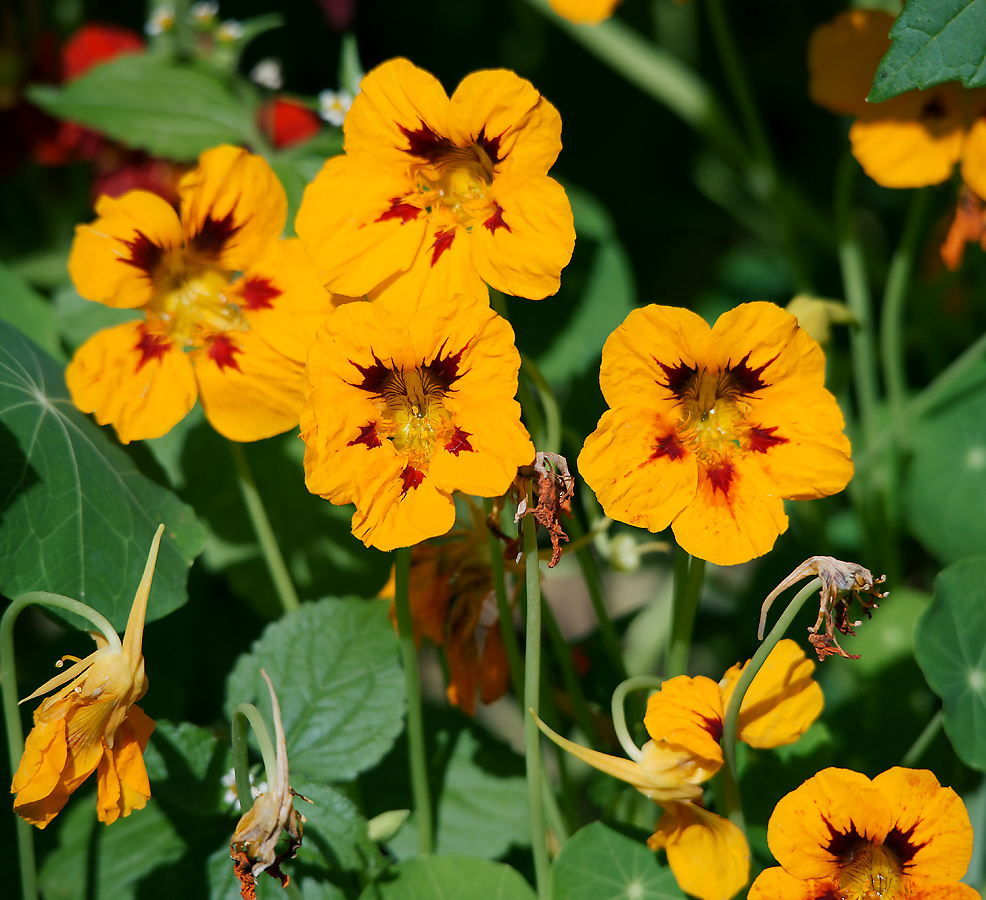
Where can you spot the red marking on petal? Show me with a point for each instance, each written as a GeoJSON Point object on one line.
{"type": "Point", "coordinates": [496, 220]}
{"type": "Point", "coordinates": [222, 351]}
{"type": "Point", "coordinates": [900, 844]}
{"type": "Point", "coordinates": [713, 727]}
{"type": "Point", "coordinates": [721, 476]}
{"type": "Point", "coordinates": [258, 293]}
{"type": "Point", "coordinates": [679, 377]}
{"type": "Point", "coordinates": [459, 442]}
{"type": "Point", "coordinates": [411, 478]}
{"type": "Point", "coordinates": [367, 435]}
{"type": "Point", "coordinates": [669, 446]}
{"type": "Point", "coordinates": [443, 241]}
{"type": "Point", "coordinates": [843, 844]}
{"type": "Point", "coordinates": [399, 210]}
{"type": "Point", "coordinates": [490, 145]}
{"type": "Point", "coordinates": [745, 379]}
{"type": "Point", "coordinates": [151, 346]}
{"type": "Point", "coordinates": [425, 143]}
{"type": "Point", "coordinates": [213, 235]}
{"type": "Point", "coordinates": [375, 377]}
{"type": "Point", "coordinates": [444, 370]}
{"type": "Point", "coordinates": [144, 253]}
{"type": "Point", "coordinates": [762, 439]}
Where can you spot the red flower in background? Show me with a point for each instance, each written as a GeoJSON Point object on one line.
{"type": "Point", "coordinates": [286, 122]}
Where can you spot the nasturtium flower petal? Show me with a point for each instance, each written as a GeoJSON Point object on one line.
{"type": "Point", "coordinates": [973, 166]}
{"type": "Point", "coordinates": [782, 701]}
{"type": "Point", "coordinates": [707, 853]}
{"type": "Point", "coordinates": [134, 378]}
{"type": "Point", "coordinates": [584, 12]}
{"type": "Point", "coordinates": [687, 712]}
{"type": "Point", "coordinates": [776, 884]}
{"type": "Point", "coordinates": [113, 260]}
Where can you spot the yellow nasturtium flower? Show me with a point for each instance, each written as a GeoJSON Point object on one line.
{"type": "Point", "coordinates": [707, 853]}
{"type": "Point", "coordinates": [912, 140]}
{"type": "Point", "coordinates": [229, 308]}
{"type": "Point", "coordinates": [92, 725]}
{"type": "Point", "coordinates": [901, 835]}
{"type": "Point", "coordinates": [406, 406]}
{"type": "Point", "coordinates": [710, 429]}
{"type": "Point", "coordinates": [441, 194]}
{"type": "Point", "coordinates": [588, 12]}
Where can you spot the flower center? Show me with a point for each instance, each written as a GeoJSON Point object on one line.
{"type": "Point", "coordinates": [193, 302]}
{"type": "Point", "coordinates": [713, 415]}
{"type": "Point", "coordinates": [414, 417]}
{"type": "Point", "coordinates": [872, 873]}
{"type": "Point", "coordinates": [461, 179]}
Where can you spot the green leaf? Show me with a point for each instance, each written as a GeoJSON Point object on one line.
{"type": "Point", "coordinates": [945, 483]}
{"type": "Point", "coordinates": [27, 310]}
{"type": "Point", "coordinates": [76, 515]}
{"type": "Point", "coordinates": [951, 651]}
{"type": "Point", "coordinates": [150, 103]}
{"type": "Point", "coordinates": [889, 637]}
{"type": "Point", "coordinates": [599, 863]}
{"type": "Point", "coordinates": [186, 765]}
{"type": "Point", "coordinates": [335, 667]}
{"type": "Point", "coordinates": [449, 878]}
{"type": "Point", "coordinates": [933, 41]}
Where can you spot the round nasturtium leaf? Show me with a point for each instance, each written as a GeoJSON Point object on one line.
{"type": "Point", "coordinates": [449, 878]}
{"type": "Point", "coordinates": [950, 646]}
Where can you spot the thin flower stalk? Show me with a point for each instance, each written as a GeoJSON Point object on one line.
{"type": "Point", "coordinates": [689, 576]}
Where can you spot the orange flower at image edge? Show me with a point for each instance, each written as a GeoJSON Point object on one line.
{"type": "Point", "coordinates": [710, 429]}
{"type": "Point", "coordinates": [707, 853]}
{"type": "Point", "coordinates": [840, 835]}
{"type": "Point", "coordinates": [405, 407]}
{"type": "Point", "coordinates": [441, 194]}
{"type": "Point", "coordinates": [912, 140]}
{"type": "Point", "coordinates": [229, 309]}
{"type": "Point", "coordinates": [92, 725]}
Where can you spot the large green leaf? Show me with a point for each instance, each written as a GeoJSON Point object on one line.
{"type": "Point", "coordinates": [599, 863]}
{"type": "Point", "coordinates": [933, 41]}
{"type": "Point", "coordinates": [153, 104]}
{"type": "Point", "coordinates": [449, 878]}
{"type": "Point", "coordinates": [945, 482]}
{"type": "Point", "coordinates": [186, 765]}
{"type": "Point", "coordinates": [334, 665]}
{"type": "Point", "coordinates": [76, 515]}
{"type": "Point", "coordinates": [951, 650]}
{"type": "Point", "coordinates": [24, 308]}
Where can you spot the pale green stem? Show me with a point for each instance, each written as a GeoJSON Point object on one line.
{"type": "Point", "coordinates": [686, 594]}
{"type": "Point", "coordinates": [637, 683]}
{"type": "Point", "coordinates": [420, 789]}
{"type": "Point", "coordinates": [552, 812]}
{"type": "Point", "coordinates": [506, 614]}
{"type": "Point", "coordinates": [532, 684]}
{"type": "Point", "coordinates": [276, 566]}
{"type": "Point", "coordinates": [552, 417]}
{"type": "Point", "coordinates": [730, 776]}
{"type": "Point", "coordinates": [11, 712]}
{"type": "Point", "coordinates": [923, 740]}
{"type": "Point", "coordinates": [247, 712]}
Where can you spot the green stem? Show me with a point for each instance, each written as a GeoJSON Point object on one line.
{"type": "Point", "coordinates": [262, 529]}
{"type": "Point", "coordinates": [415, 717]}
{"type": "Point", "coordinates": [532, 681]}
{"type": "Point", "coordinates": [686, 593]}
{"type": "Point", "coordinates": [923, 740]}
{"type": "Point", "coordinates": [506, 614]}
{"type": "Point", "coordinates": [894, 296]}
{"type": "Point", "coordinates": [756, 134]}
{"type": "Point", "coordinates": [552, 417]}
{"type": "Point", "coordinates": [730, 776]}
{"type": "Point", "coordinates": [637, 683]}
{"type": "Point", "coordinates": [570, 678]}
{"type": "Point", "coordinates": [11, 712]}
{"type": "Point", "coordinates": [244, 713]}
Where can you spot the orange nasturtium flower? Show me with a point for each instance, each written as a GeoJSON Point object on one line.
{"type": "Point", "coordinates": [453, 605]}
{"type": "Point", "coordinates": [589, 12]}
{"type": "Point", "coordinates": [406, 406]}
{"type": "Point", "coordinates": [707, 853]}
{"type": "Point", "coordinates": [710, 429]}
{"type": "Point", "coordinates": [840, 835]}
{"type": "Point", "coordinates": [451, 193]}
{"type": "Point", "coordinates": [229, 308]}
{"type": "Point", "coordinates": [912, 140]}
{"type": "Point", "coordinates": [90, 725]}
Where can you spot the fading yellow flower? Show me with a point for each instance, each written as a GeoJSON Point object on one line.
{"type": "Point", "coordinates": [92, 725]}
{"type": "Point", "coordinates": [589, 12]}
{"type": "Point", "coordinates": [229, 308]}
{"type": "Point", "coordinates": [405, 407]}
{"type": "Point", "coordinates": [912, 140]}
{"type": "Point", "coordinates": [710, 430]}
{"type": "Point", "coordinates": [442, 194]}
{"type": "Point", "coordinates": [841, 835]}
{"type": "Point", "coordinates": [707, 853]}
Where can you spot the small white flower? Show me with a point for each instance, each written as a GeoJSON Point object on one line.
{"type": "Point", "coordinates": [333, 106]}
{"type": "Point", "coordinates": [161, 20]}
{"type": "Point", "coordinates": [230, 30]}
{"type": "Point", "coordinates": [230, 797]}
{"type": "Point", "coordinates": [267, 73]}
{"type": "Point", "coordinates": [204, 12]}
